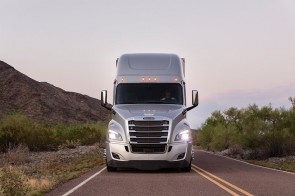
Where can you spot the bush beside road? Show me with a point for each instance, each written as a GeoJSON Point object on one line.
{"type": "Point", "coordinates": [35, 158]}
{"type": "Point", "coordinates": [35, 173]}
{"type": "Point", "coordinates": [257, 135]}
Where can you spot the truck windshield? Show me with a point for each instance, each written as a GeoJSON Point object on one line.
{"type": "Point", "coordinates": [164, 93]}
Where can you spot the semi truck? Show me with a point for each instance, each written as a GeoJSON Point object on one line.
{"type": "Point", "coordinates": [149, 129]}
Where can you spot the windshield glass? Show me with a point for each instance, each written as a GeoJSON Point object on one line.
{"type": "Point", "coordinates": [149, 93]}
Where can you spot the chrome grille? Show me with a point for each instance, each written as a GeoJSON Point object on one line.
{"type": "Point", "coordinates": [148, 136]}
{"type": "Point", "coordinates": [145, 140]}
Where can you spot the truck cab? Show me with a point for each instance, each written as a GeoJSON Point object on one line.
{"type": "Point", "coordinates": [149, 129]}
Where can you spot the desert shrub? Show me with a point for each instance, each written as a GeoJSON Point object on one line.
{"type": "Point", "coordinates": [279, 143]}
{"type": "Point", "coordinates": [13, 182]}
{"type": "Point", "coordinates": [216, 118]}
{"type": "Point", "coordinates": [17, 155]}
{"type": "Point", "coordinates": [224, 137]}
{"type": "Point", "coordinates": [14, 129]}
{"type": "Point", "coordinates": [92, 133]}
{"type": "Point", "coordinates": [290, 122]}
{"type": "Point", "coordinates": [263, 132]}
{"type": "Point", "coordinates": [62, 133]}
{"type": "Point", "coordinates": [17, 129]}
{"type": "Point", "coordinates": [41, 138]}
{"type": "Point", "coordinates": [205, 136]}
{"type": "Point", "coordinates": [252, 136]}
{"type": "Point", "coordinates": [289, 144]}
{"type": "Point", "coordinates": [195, 138]}
{"type": "Point", "coordinates": [84, 134]}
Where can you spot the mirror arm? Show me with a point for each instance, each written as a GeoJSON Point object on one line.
{"type": "Point", "coordinates": [107, 107]}
{"type": "Point", "coordinates": [110, 108]}
{"type": "Point", "coordinates": [188, 109]}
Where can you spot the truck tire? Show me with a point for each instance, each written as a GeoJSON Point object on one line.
{"type": "Point", "coordinates": [188, 168]}
{"type": "Point", "coordinates": [111, 169]}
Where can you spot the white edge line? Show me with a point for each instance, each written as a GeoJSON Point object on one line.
{"type": "Point", "coordinates": [244, 162]}
{"type": "Point", "coordinates": [84, 182]}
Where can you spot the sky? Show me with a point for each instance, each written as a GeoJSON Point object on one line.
{"type": "Point", "coordinates": [238, 52]}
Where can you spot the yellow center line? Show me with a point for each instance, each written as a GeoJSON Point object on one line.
{"type": "Point", "coordinates": [215, 182]}
{"type": "Point", "coordinates": [225, 182]}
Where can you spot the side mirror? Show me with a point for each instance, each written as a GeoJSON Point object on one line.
{"type": "Point", "coordinates": [104, 101]}
{"type": "Point", "coordinates": [104, 96]}
{"type": "Point", "coordinates": [195, 97]}
{"type": "Point", "coordinates": [195, 102]}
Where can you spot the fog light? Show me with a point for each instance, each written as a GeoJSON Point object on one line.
{"type": "Point", "coordinates": [116, 156]}
{"type": "Point", "coordinates": [181, 156]}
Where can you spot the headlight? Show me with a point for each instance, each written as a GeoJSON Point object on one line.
{"type": "Point", "coordinates": [183, 136]}
{"type": "Point", "coordinates": [113, 135]}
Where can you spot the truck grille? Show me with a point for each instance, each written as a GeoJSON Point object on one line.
{"type": "Point", "coordinates": [148, 136]}
{"type": "Point", "coordinates": [148, 148]}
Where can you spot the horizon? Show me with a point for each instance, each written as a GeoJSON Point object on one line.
{"type": "Point", "coordinates": [237, 53]}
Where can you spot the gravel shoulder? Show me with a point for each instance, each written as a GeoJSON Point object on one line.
{"type": "Point", "coordinates": [286, 163]}
{"type": "Point", "coordinates": [43, 171]}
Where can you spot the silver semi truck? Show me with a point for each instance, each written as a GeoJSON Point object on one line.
{"type": "Point", "coordinates": [149, 129]}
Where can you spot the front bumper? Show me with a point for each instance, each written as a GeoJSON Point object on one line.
{"type": "Point", "coordinates": [177, 155]}
{"type": "Point", "coordinates": [148, 165]}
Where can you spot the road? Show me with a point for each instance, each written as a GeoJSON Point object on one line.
{"type": "Point", "coordinates": [211, 175]}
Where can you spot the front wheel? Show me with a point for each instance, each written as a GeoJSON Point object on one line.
{"type": "Point", "coordinates": [188, 168]}
{"type": "Point", "coordinates": [111, 169]}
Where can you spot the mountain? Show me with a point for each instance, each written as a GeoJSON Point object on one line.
{"type": "Point", "coordinates": [45, 102]}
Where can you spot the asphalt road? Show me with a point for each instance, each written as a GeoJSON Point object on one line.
{"type": "Point", "coordinates": [211, 175]}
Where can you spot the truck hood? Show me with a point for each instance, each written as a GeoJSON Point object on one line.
{"type": "Point", "coordinates": [148, 110]}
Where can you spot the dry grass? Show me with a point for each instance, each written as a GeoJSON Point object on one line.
{"type": "Point", "coordinates": [50, 169]}
{"type": "Point", "coordinates": [13, 181]}
{"type": "Point", "coordinates": [42, 184]}
{"type": "Point", "coordinates": [17, 155]}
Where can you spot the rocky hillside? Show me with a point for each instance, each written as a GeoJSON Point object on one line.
{"type": "Point", "coordinates": [45, 102]}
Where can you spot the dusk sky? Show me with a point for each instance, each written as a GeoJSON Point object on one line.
{"type": "Point", "coordinates": [238, 52]}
